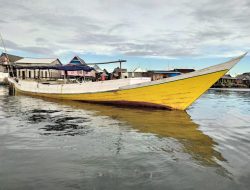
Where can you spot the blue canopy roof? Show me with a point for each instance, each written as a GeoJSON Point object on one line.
{"type": "Point", "coordinates": [59, 67]}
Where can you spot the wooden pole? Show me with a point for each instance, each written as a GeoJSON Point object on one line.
{"type": "Point", "coordinates": [38, 74]}
{"type": "Point", "coordinates": [65, 72]}
{"type": "Point", "coordinates": [120, 69]}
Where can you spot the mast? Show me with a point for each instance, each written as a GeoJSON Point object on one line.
{"type": "Point", "coordinates": [10, 69]}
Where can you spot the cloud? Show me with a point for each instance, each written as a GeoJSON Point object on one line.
{"type": "Point", "coordinates": [155, 28]}
{"type": "Point", "coordinates": [32, 49]}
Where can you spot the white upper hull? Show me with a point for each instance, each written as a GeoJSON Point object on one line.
{"type": "Point", "coordinates": [76, 88]}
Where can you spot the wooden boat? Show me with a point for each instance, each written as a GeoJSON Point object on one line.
{"type": "Point", "coordinates": [177, 92]}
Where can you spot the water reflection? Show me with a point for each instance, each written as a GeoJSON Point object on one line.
{"type": "Point", "coordinates": [239, 93]}
{"type": "Point", "coordinates": [170, 124]}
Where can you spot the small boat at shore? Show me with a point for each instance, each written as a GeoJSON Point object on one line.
{"type": "Point", "coordinates": [177, 92]}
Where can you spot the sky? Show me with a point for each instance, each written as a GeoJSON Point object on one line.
{"type": "Point", "coordinates": [151, 34]}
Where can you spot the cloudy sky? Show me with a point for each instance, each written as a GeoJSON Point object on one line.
{"type": "Point", "coordinates": [154, 34]}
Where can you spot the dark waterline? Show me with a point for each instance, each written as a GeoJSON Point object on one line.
{"type": "Point", "coordinates": [48, 144]}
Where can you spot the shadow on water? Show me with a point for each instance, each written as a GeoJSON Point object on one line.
{"type": "Point", "coordinates": [59, 125]}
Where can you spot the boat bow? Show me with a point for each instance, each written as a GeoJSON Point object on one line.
{"type": "Point", "coordinates": [226, 66]}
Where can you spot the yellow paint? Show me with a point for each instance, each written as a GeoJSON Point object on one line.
{"type": "Point", "coordinates": [173, 124]}
{"type": "Point", "coordinates": [177, 94]}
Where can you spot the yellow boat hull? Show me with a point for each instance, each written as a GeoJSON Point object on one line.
{"type": "Point", "coordinates": [173, 95]}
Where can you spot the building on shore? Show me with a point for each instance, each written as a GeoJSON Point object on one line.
{"type": "Point", "coordinates": [119, 73]}
{"type": "Point", "coordinates": [138, 72]}
{"type": "Point", "coordinates": [227, 81]}
{"type": "Point", "coordinates": [12, 64]}
{"type": "Point", "coordinates": [160, 74]}
{"type": "Point", "coordinates": [77, 61]}
{"type": "Point", "coordinates": [6, 60]}
{"type": "Point", "coordinates": [245, 79]}
{"type": "Point", "coordinates": [183, 71]}
{"type": "Point", "coordinates": [35, 72]}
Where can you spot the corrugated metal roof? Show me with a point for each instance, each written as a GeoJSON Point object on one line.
{"type": "Point", "coordinates": [164, 72]}
{"type": "Point", "coordinates": [36, 60]}
{"type": "Point", "coordinates": [228, 77]}
{"type": "Point", "coordinates": [139, 70]}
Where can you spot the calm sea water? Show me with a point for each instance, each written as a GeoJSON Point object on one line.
{"type": "Point", "coordinates": [46, 144]}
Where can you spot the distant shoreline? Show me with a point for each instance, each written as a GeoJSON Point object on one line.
{"type": "Point", "coordinates": [232, 89]}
